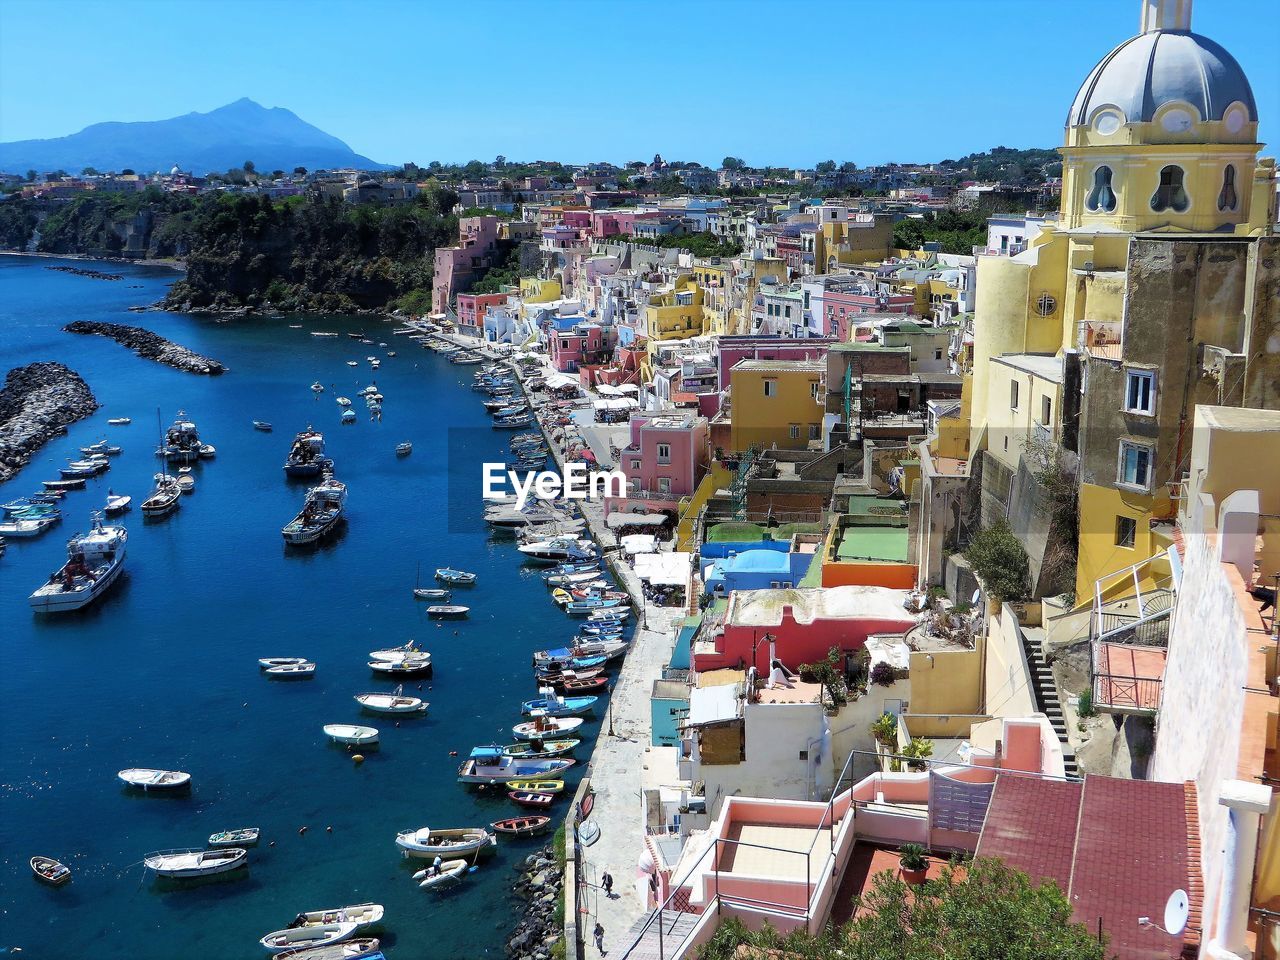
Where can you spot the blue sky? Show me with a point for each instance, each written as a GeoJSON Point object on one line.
{"type": "Point", "coordinates": [780, 82]}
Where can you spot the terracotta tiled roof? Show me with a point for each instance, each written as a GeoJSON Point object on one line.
{"type": "Point", "coordinates": [1031, 825]}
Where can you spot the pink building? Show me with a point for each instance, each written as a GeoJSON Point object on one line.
{"type": "Point", "coordinates": [578, 219]}
{"type": "Point", "coordinates": [729, 350]}
{"type": "Point", "coordinates": [472, 307]}
{"type": "Point", "coordinates": [667, 455]}
{"type": "Point", "coordinates": [579, 345]}
{"type": "Point", "coordinates": [455, 267]}
{"type": "Point", "coordinates": [608, 223]}
{"type": "Point", "coordinates": [800, 626]}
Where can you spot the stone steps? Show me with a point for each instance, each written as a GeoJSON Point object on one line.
{"type": "Point", "coordinates": [1045, 692]}
{"type": "Point", "coordinates": [676, 927]}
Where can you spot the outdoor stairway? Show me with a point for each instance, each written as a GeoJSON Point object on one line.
{"type": "Point", "coordinates": [1046, 697]}
{"type": "Point", "coordinates": [676, 927]}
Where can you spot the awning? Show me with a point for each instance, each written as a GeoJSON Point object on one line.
{"type": "Point", "coordinates": [606, 390]}
{"type": "Point", "coordinates": [664, 569]}
{"type": "Point", "coordinates": [619, 519]}
{"type": "Point", "coordinates": [638, 543]}
{"type": "Point", "coordinates": [627, 388]}
{"type": "Point", "coordinates": [557, 381]}
{"type": "Point", "coordinates": [712, 704]}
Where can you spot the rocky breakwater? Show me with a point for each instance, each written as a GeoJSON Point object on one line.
{"type": "Point", "coordinates": [541, 924]}
{"type": "Point", "coordinates": [150, 345]}
{"type": "Point", "coordinates": [36, 404]}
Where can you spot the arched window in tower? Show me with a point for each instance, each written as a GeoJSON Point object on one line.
{"type": "Point", "coordinates": [1171, 194]}
{"type": "Point", "coordinates": [1228, 199]}
{"type": "Point", "coordinates": [1102, 197]}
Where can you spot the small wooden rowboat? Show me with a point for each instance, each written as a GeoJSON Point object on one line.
{"type": "Point", "coordinates": [50, 870]}
{"type": "Point", "coordinates": [540, 748]}
{"type": "Point", "coordinates": [536, 786]}
{"type": "Point", "coordinates": [521, 826]}
{"type": "Point", "coordinates": [530, 798]}
{"type": "Point", "coordinates": [243, 837]}
{"type": "Point", "coordinates": [582, 684]}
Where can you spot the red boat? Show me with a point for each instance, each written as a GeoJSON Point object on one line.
{"type": "Point", "coordinates": [582, 684]}
{"type": "Point", "coordinates": [531, 798]}
{"type": "Point", "coordinates": [521, 826]}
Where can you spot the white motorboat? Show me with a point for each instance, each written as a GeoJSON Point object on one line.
{"type": "Point", "coordinates": [27, 528]}
{"type": "Point", "coordinates": [195, 863]}
{"type": "Point", "coordinates": [404, 449]}
{"type": "Point", "coordinates": [405, 667]}
{"type": "Point", "coordinates": [391, 702]}
{"type": "Point", "coordinates": [343, 402]}
{"type": "Point", "coordinates": [120, 421]}
{"type": "Point", "coordinates": [558, 550]}
{"type": "Point", "coordinates": [208, 451]}
{"type": "Point", "coordinates": [361, 914]}
{"type": "Point", "coordinates": [117, 503]}
{"type": "Point", "coordinates": [449, 871]}
{"type": "Point", "coordinates": [317, 387]}
{"type": "Point", "coordinates": [242, 837]}
{"type": "Point", "coordinates": [265, 662]}
{"type": "Point", "coordinates": [186, 483]}
{"type": "Point", "coordinates": [103, 448]}
{"type": "Point", "coordinates": [319, 515]}
{"type": "Point", "coordinates": [291, 671]}
{"type": "Point", "coordinates": [366, 948]}
{"type": "Point", "coordinates": [351, 734]}
{"type": "Point", "coordinates": [544, 726]}
{"type": "Point", "coordinates": [94, 561]}
{"type": "Point", "coordinates": [353, 363]}
{"type": "Point", "coordinates": [458, 841]}
{"type": "Point", "coordinates": [323, 333]}
{"type": "Point", "coordinates": [407, 651]}
{"type": "Point", "coordinates": [316, 935]}
{"type": "Point", "coordinates": [447, 611]}
{"type": "Point", "coordinates": [151, 779]}
{"type": "Point", "coordinates": [348, 416]}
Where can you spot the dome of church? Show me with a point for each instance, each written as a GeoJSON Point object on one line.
{"type": "Point", "coordinates": [1158, 67]}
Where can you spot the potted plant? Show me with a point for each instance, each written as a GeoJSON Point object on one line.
{"type": "Point", "coordinates": [917, 751]}
{"type": "Point", "coordinates": [913, 864]}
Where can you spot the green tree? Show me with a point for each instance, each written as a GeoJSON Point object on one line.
{"type": "Point", "coordinates": [499, 161]}
{"type": "Point", "coordinates": [31, 176]}
{"type": "Point", "coordinates": [249, 168]}
{"type": "Point", "coordinates": [991, 912]}
{"type": "Point", "coordinates": [1000, 560]}
{"type": "Point", "coordinates": [908, 234]}
{"type": "Point", "coordinates": [826, 166]}
{"type": "Point", "coordinates": [732, 163]}
{"type": "Point", "coordinates": [300, 172]}
{"type": "Point", "coordinates": [474, 169]}
{"type": "Point", "coordinates": [89, 172]}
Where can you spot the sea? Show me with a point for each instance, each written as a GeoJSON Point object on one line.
{"type": "Point", "coordinates": [162, 672]}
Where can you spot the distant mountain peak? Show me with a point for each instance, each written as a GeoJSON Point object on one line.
{"type": "Point", "coordinates": [225, 137]}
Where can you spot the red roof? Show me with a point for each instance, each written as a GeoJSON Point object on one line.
{"type": "Point", "coordinates": [1118, 848]}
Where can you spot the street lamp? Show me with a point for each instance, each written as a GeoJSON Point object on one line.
{"type": "Point", "coordinates": [611, 686]}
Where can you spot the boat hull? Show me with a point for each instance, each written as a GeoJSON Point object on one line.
{"type": "Point", "coordinates": [66, 601]}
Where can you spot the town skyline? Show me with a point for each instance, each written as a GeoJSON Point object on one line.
{"type": "Point", "coordinates": [406, 107]}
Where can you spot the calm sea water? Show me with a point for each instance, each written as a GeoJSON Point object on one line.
{"type": "Point", "coordinates": [162, 672]}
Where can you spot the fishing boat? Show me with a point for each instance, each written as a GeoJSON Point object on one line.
{"type": "Point", "coordinates": [362, 949]}
{"type": "Point", "coordinates": [543, 726]}
{"type": "Point", "coordinates": [558, 550]}
{"type": "Point", "coordinates": [191, 862]}
{"type": "Point", "coordinates": [521, 826]}
{"type": "Point", "coordinates": [491, 765]}
{"type": "Point", "coordinates": [512, 423]}
{"type": "Point", "coordinates": [541, 748]}
{"type": "Point", "coordinates": [307, 936]}
{"type": "Point", "coordinates": [582, 608]}
{"type": "Point", "coordinates": [531, 798]}
{"type": "Point", "coordinates": [582, 566]}
{"type": "Point", "coordinates": [556, 705]}
{"type": "Point", "coordinates": [404, 449]}
{"type": "Point", "coordinates": [448, 611]}
{"type": "Point", "coordinates": [72, 483]}
{"type": "Point", "coordinates": [361, 914]}
{"type": "Point", "coordinates": [27, 527]}
{"type": "Point", "coordinates": [317, 387]}
{"type": "Point", "coordinates": [291, 671]}
{"type": "Point", "coordinates": [351, 734]}
{"type": "Point", "coordinates": [120, 421]}
{"type": "Point", "coordinates": [572, 579]}
{"type": "Point", "coordinates": [151, 779]}
{"type": "Point", "coordinates": [449, 872]}
{"type": "Point", "coordinates": [50, 870]}
{"type": "Point", "coordinates": [262, 425]}
{"type": "Point", "coordinates": [164, 498]}
{"type": "Point", "coordinates": [320, 514]}
{"type": "Point", "coordinates": [390, 702]}
{"type": "Point", "coordinates": [583, 666]}
{"type": "Point", "coordinates": [322, 333]}
{"type": "Point", "coordinates": [94, 561]}
{"type": "Point", "coordinates": [457, 841]}
{"type": "Point", "coordinates": [243, 837]}
{"type": "Point", "coordinates": [536, 786]}
{"type": "Point", "coordinates": [181, 441]}
{"type": "Point", "coordinates": [458, 577]}
{"type": "Point", "coordinates": [603, 647]}
{"type": "Point", "coordinates": [186, 483]}
{"type": "Point", "coordinates": [306, 455]}
{"type": "Point", "coordinates": [102, 448]}
{"type": "Point", "coordinates": [407, 667]}
{"type": "Point", "coordinates": [348, 416]}
{"type": "Point", "coordinates": [267, 662]}
{"type": "Point", "coordinates": [117, 504]}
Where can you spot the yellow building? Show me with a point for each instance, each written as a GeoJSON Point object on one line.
{"type": "Point", "coordinates": [776, 403]}
{"type": "Point", "coordinates": [715, 276]}
{"type": "Point", "coordinates": [536, 290]}
{"type": "Point", "coordinates": [1148, 295]}
{"type": "Point", "coordinates": [676, 314]}
{"type": "Point", "coordinates": [841, 241]}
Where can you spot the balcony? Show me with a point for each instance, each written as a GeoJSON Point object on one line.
{"type": "Point", "coordinates": [1129, 635]}
{"type": "Point", "coordinates": [1102, 338]}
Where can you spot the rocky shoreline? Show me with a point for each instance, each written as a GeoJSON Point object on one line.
{"type": "Point", "coordinates": [36, 404]}
{"type": "Point", "coordinates": [150, 345]}
{"type": "Point", "coordinates": [541, 923]}
{"type": "Point", "coordinates": [91, 274]}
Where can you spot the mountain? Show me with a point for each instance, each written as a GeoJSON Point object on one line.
{"type": "Point", "coordinates": [274, 139]}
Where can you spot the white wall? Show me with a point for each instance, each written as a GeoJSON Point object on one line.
{"type": "Point", "coordinates": [776, 733]}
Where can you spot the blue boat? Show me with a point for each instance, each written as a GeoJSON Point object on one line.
{"type": "Point", "coordinates": [582, 608]}
{"type": "Point", "coordinates": [573, 663]}
{"type": "Point", "coordinates": [557, 706]}
{"type": "Point", "coordinates": [596, 631]}
{"type": "Point", "coordinates": [490, 765]}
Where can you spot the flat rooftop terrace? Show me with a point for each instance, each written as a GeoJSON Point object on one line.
{"type": "Point", "coordinates": [785, 856]}
{"type": "Point", "coordinates": [887, 544]}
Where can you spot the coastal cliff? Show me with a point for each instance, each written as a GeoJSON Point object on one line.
{"type": "Point", "coordinates": [150, 345]}
{"type": "Point", "coordinates": [36, 404]}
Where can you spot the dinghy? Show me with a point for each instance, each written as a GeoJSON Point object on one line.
{"type": "Point", "coordinates": [456, 841]}
{"type": "Point", "coordinates": [558, 706]}
{"type": "Point", "coordinates": [521, 826]}
{"type": "Point", "coordinates": [117, 504]}
{"type": "Point", "coordinates": [390, 703]}
{"type": "Point", "coordinates": [243, 837]}
{"type": "Point", "coordinates": [406, 651]}
{"type": "Point", "coordinates": [451, 871]}
{"type": "Point", "coordinates": [448, 612]}
{"type": "Point", "coordinates": [50, 870]}
{"type": "Point", "coordinates": [542, 726]}
{"type": "Point", "coordinates": [579, 684]}
{"type": "Point", "coordinates": [195, 863]}
{"type": "Point", "coordinates": [537, 786]}
{"type": "Point", "coordinates": [351, 734]}
{"type": "Point", "coordinates": [430, 593]}
{"type": "Point", "coordinates": [186, 483]}
{"type": "Point", "coordinates": [461, 577]}
{"type": "Point", "coordinates": [267, 662]}
{"type": "Point", "coordinates": [408, 667]}
{"type": "Point", "coordinates": [151, 779]}
{"type": "Point", "coordinates": [262, 425]}
{"type": "Point", "coordinates": [309, 936]}
{"type": "Point", "coordinates": [531, 798]}
{"type": "Point", "coordinates": [120, 421]}
{"type": "Point", "coordinates": [361, 914]}
{"type": "Point", "coordinates": [363, 949]}
{"type": "Point", "coordinates": [291, 671]}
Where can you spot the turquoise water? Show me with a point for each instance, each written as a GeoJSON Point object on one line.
{"type": "Point", "coordinates": [162, 672]}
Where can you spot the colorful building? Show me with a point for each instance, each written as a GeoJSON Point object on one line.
{"type": "Point", "coordinates": [457, 266]}
{"type": "Point", "coordinates": [776, 403]}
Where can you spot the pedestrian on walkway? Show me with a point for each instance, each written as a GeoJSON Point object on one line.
{"type": "Point", "coordinates": [606, 881]}
{"type": "Point", "coordinates": [598, 933]}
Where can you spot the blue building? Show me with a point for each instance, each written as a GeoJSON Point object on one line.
{"type": "Point", "coordinates": [759, 569]}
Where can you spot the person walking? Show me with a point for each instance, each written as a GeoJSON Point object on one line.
{"type": "Point", "coordinates": [598, 933]}
{"type": "Point", "coordinates": [606, 881]}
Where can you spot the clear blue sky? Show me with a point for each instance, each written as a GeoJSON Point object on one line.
{"type": "Point", "coordinates": [779, 82]}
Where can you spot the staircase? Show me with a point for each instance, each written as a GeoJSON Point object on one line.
{"type": "Point", "coordinates": [643, 942]}
{"type": "Point", "coordinates": [1046, 697]}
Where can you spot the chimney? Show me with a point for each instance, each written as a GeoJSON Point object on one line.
{"type": "Point", "coordinates": [1166, 15]}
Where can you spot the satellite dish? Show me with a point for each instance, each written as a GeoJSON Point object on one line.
{"type": "Point", "coordinates": [1176, 912]}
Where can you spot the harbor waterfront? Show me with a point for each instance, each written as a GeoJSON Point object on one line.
{"type": "Point", "coordinates": [162, 670]}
